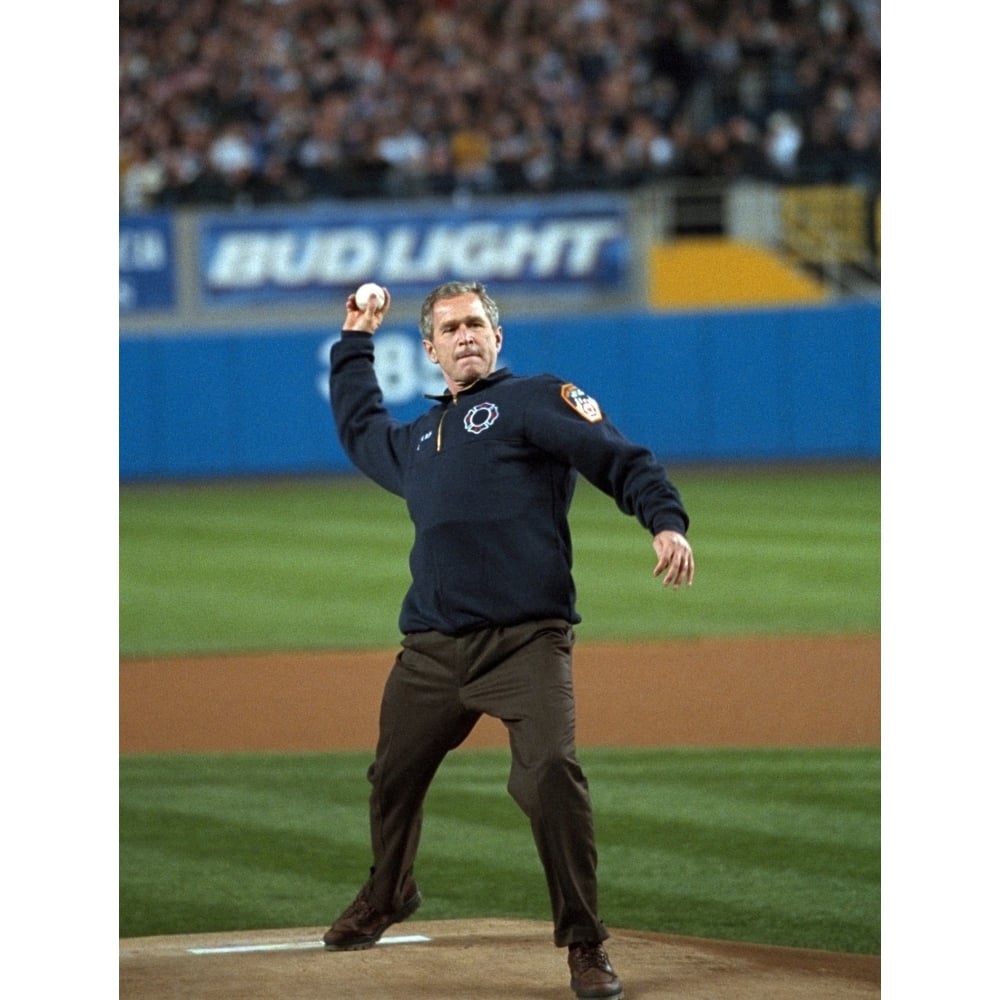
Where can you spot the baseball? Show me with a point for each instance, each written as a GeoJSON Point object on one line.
{"type": "Point", "coordinates": [366, 291]}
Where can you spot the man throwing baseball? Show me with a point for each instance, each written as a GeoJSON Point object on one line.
{"type": "Point", "coordinates": [487, 474]}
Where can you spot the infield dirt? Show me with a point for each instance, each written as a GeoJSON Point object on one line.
{"type": "Point", "coordinates": [794, 692]}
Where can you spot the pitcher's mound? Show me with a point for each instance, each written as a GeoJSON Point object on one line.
{"type": "Point", "coordinates": [476, 960]}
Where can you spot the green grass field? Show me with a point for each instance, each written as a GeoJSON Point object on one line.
{"type": "Point", "coordinates": [773, 846]}
{"type": "Point", "coordinates": [322, 564]}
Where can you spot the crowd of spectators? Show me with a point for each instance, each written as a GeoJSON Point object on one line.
{"type": "Point", "coordinates": [260, 102]}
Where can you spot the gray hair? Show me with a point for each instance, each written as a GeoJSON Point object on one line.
{"type": "Point", "coordinates": [448, 291]}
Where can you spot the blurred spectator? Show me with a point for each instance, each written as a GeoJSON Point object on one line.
{"type": "Point", "coordinates": [782, 143]}
{"type": "Point", "coordinates": [647, 149]}
{"type": "Point", "coordinates": [142, 176]}
{"type": "Point", "coordinates": [405, 153]}
{"type": "Point", "coordinates": [261, 101]}
{"type": "Point", "coordinates": [231, 155]}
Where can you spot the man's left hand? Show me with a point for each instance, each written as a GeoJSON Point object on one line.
{"type": "Point", "coordinates": [674, 559]}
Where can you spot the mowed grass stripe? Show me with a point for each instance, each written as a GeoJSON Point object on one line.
{"type": "Point", "coordinates": [691, 842]}
{"type": "Point", "coordinates": [323, 564]}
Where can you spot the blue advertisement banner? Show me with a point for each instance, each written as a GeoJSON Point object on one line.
{"type": "Point", "coordinates": [530, 247]}
{"type": "Point", "coordinates": [146, 263]}
{"type": "Point", "coordinates": [753, 385]}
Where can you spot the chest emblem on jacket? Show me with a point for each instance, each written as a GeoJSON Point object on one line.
{"type": "Point", "coordinates": [578, 400]}
{"type": "Point", "coordinates": [480, 417]}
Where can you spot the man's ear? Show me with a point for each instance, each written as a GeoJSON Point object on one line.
{"type": "Point", "coordinates": [429, 349]}
{"type": "Point", "coordinates": [499, 333]}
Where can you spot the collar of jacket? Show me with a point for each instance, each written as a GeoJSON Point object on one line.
{"type": "Point", "coordinates": [484, 383]}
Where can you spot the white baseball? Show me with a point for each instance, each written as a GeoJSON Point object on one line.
{"type": "Point", "coordinates": [366, 291]}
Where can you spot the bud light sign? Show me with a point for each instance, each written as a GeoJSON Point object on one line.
{"type": "Point", "coordinates": [530, 247]}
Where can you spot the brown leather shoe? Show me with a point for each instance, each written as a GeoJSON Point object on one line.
{"type": "Point", "coordinates": [591, 975]}
{"type": "Point", "coordinates": [361, 925]}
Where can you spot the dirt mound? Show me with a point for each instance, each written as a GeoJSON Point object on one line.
{"type": "Point", "coordinates": [485, 959]}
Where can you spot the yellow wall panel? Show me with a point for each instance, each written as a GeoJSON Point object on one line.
{"type": "Point", "coordinates": [710, 271]}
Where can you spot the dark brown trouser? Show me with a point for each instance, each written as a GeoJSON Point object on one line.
{"type": "Point", "coordinates": [436, 691]}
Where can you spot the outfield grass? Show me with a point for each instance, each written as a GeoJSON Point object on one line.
{"type": "Point", "coordinates": [323, 563]}
{"type": "Point", "coordinates": [771, 846]}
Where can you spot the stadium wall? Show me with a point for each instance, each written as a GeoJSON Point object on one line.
{"type": "Point", "coordinates": [227, 321]}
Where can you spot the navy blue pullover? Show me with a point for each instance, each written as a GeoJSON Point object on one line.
{"type": "Point", "coordinates": [488, 477]}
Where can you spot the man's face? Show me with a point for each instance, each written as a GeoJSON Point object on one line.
{"type": "Point", "coordinates": [463, 342]}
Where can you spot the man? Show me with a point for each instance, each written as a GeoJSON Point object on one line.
{"type": "Point", "coordinates": [488, 474]}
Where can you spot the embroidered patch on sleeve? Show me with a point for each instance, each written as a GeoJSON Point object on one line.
{"type": "Point", "coordinates": [578, 400]}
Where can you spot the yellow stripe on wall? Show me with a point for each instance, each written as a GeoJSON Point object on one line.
{"type": "Point", "coordinates": [710, 271]}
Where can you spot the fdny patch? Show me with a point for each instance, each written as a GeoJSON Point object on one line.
{"type": "Point", "coordinates": [578, 400]}
{"type": "Point", "coordinates": [480, 417]}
